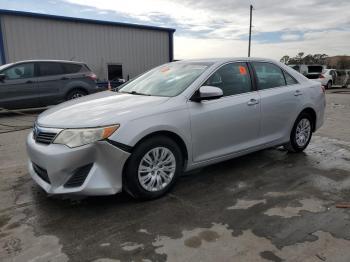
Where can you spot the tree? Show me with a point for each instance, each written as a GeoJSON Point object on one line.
{"type": "Point", "coordinates": [308, 59]}
{"type": "Point", "coordinates": [285, 59]}
{"type": "Point", "coordinates": [300, 57]}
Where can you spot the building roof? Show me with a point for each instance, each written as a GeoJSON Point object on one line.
{"type": "Point", "coordinates": [83, 20]}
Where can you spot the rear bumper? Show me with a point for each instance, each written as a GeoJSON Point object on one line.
{"type": "Point", "coordinates": [323, 81]}
{"type": "Point", "coordinates": [103, 177]}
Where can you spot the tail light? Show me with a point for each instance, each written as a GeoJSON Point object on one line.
{"type": "Point", "coordinates": [321, 76]}
{"type": "Point", "coordinates": [92, 76]}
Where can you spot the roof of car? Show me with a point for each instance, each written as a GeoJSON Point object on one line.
{"type": "Point", "coordinates": [48, 60]}
{"type": "Point", "coordinates": [226, 59]}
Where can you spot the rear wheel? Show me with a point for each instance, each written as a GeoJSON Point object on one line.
{"type": "Point", "coordinates": [76, 94]}
{"type": "Point", "coordinates": [301, 133]}
{"type": "Point", "coordinates": [153, 168]}
{"type": "Point", "coordinates": [329, 85]}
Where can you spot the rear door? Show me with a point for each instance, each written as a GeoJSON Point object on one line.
{"type": "Point", "coordinates": [18, 89]}
{"type": "Point", "coordinates": [229, 124]}
{"type": "Point", "coordinates": [280, 97]}
{"type": "Point", "coordinates": [51, 82]}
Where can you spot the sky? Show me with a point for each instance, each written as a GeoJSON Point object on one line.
{"type": "Point", "coordinates": [219, 28]}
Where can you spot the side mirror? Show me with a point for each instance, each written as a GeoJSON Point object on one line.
{"type": "Point", "coordinates": [207, 93]}
{"type": "Point", "coordinates": [2, 77]}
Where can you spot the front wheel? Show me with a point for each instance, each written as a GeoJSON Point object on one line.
{"type": "Point", "coordinates": [76, 94]}
{"type": "Point", "coordinates": [301, 134]}
{"type": "Point", "coordinates": [153, 168]}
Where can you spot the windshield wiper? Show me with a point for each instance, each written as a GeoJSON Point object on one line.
{"type": "Point", "coordinates": [138, 93]}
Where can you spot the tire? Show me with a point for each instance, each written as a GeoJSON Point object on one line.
{"type": "Point", "coordinates": [329, 85]}
{"type": "Point", "coordinates": [296, 145]}
{"type": "Point", "coordinates": [76, 93]}
{"type": "Point", "coordinates": [139, 175]}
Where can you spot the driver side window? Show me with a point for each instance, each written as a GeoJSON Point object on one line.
{"type": "Point", "coordinates": [20, 71]}
{"type": "Point", "coordinates": [231, 78]}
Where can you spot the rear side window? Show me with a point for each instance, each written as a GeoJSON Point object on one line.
{"type": "Point", "coordinates": [232, 78]}
{"type": "Point", "coordinates": [289, 79]}
{"type": "Point", "coordinates": [20, 71]}
{"type": "Point", "coordinates": [268, 75]}
{"type": "Point", "coordinates": [49, 69]}
{"type": "Point", "coordinates": [71, 68]}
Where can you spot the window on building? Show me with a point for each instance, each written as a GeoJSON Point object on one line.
{"type": "Point", "coordinates": [115, 72]}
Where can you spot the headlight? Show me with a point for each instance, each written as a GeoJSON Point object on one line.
{"type": "Point", "coordinates": [80, 137]}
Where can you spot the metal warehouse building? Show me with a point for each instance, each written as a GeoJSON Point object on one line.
{"type": "Point", "coordinates": [110, 49]}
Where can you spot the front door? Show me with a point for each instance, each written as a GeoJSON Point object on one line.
{"type": "Point", "coordinates": [230, 124]}
{"type": "Point", "coordinates": [18, 89]}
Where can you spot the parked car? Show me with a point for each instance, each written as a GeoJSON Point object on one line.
{"type": "Point", "coordinates": [174, 118]}
{"type": "Point", "coordinates": [318, 73]}
{"type": "Point", "coordinates": [327, 78]}
{"type": "Point", "coordinates": [114, 83]}
{"type": "Point", "coordinates": [308, 69]}
{"type": "Point", "coordinates": [38, 83]}
{"type": "Point", "coordinates": [343, 78]}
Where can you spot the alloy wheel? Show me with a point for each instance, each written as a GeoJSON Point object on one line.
{"type": "Point", "coordinates": [157, 169]}
{"type": "Point", "coordinates": [303, 132]}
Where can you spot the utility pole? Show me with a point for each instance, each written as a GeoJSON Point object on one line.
{"type": "Point", "coordinates": [250, 29]}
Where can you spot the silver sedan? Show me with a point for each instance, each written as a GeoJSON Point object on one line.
{"type": "Point", "coordinates": [173, 118]}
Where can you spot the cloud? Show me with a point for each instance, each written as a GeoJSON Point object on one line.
{"type": "Point", "coordinates": [334, 44]}
{"type": "Point", "coordinates": [290, 37]}
{"type": "Point", "coordinates": [206, 28]}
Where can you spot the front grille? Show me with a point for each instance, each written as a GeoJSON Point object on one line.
{"type": "Point", "coordinates": [44, 137]}
{"type": "Point", "coordinates": [42, 173]}
{"type": "Point", "coordinates": [79, 176]}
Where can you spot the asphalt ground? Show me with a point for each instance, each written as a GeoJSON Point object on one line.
{"type": "Point", "coordinates": [266, 206]}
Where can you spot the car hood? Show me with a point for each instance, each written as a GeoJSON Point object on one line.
{"type": "Point", "coordinates": [105, 108]}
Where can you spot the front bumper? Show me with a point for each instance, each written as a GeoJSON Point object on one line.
{"type": "Point", "coordinates": [61, 163]}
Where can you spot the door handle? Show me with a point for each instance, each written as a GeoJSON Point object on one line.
{"type": "Point", "coordinates": [298, 93]}
{"type": "Point", "coordinates": [252, 102]}
{"type": "Point", "coordinates": [64, 78]}
{"type": "Point", "coordinates": [29, 82]}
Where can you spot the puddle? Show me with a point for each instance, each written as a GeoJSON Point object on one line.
{"type": "Point", "coordinates": [310, 205]}
{"type": "Point", "coordinates": [245, 204]}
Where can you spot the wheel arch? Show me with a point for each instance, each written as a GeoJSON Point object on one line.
{"type": "Point", "coordinates": [310, 111]}
{"type": "Point", "coordinates": [172, 135]}
{"type": "Point", "coordinates": [76, 88]}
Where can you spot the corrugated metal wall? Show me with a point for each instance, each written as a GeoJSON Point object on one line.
{"type": "Point", "coordinates": [97, 45]}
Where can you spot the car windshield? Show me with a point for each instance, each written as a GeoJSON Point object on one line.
{"type": "Point", "coordinates": [167, 80]}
